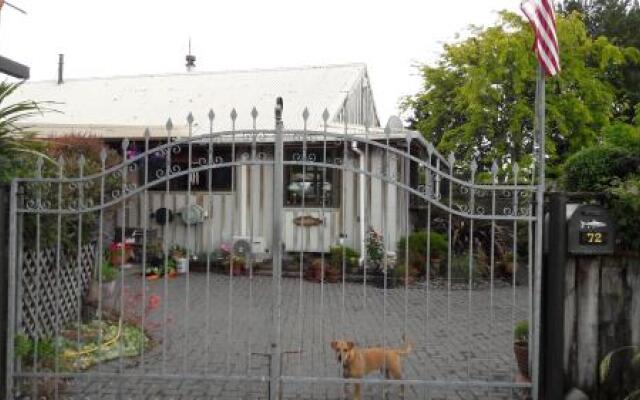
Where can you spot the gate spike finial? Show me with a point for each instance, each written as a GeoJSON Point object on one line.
{"type": "Point", "coordinates": [60, 165]}
{"type": "Point", "coordinates": [103, 154]}
{"type": "Point", "coordinates": [211, 115]}
{"type": "Point", "coordinates": [451, 159]}
{"type": "Point", "coordinates": [190, 118]}
{"type": "Point", "coordinates": [81, 160]}
{"type": "Point", "coordinates": [254, 113]}
{"type": "Point", "coordinates": [474, 167]}
{"type": "Point", "coordinates": [125, 144]}
{"type": "Point", "coordinates": [234, 115]}
{"type": "Point", "coordinates": [305, 114]}
{"type": "Point", "coordinates": [147, 134]}
{"type": "Point", "coordinates": [39, 164]}
{"type": "Point", "coordinates": [494, 168]}
{"type": "Point", "coordinates": [325, 115]}
{"type": "Point", "coordinates": [169, 125]}
{"type": "Point", "coordinates": [515, 168]}
{"type": "Point", "coordinates": [430, 148]}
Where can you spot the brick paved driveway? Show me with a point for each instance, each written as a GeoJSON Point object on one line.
{"type": "Point", "coordinates": [216, 326]}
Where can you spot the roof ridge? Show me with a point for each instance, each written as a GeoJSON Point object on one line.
{"type": "Point", "coordinates": [200, 73]}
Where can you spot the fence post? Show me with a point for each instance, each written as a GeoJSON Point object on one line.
{"type": "Point", "coordinates": [277, 250]}
{"type": "Point", "coordinates": [4, 287]}
{"type": "Point", "coordinates": [553, 300]}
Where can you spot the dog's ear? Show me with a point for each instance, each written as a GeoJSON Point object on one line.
{"type": "Point", "coordinates": [334, 345]}
{"type": "Point", "coordinates": [350, 345]}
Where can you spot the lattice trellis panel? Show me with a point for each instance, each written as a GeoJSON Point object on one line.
{"type": "Point", "coordinates": [52, 295]}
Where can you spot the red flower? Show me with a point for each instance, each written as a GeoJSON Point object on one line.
{"type": "Point", "coordinates": [118, 246]}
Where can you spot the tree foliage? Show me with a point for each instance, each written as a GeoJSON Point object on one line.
{"type": "Point", "coordinates": [17, 146]}
{"type": "Point", "coordinates": [478, 100]}
{"type": "Point", "coordinates": [619, 22]}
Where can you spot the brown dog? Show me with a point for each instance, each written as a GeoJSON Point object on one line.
{"type": "Point", "coordinates": [358, 362]}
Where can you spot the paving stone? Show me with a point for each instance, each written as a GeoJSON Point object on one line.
{"type": "Point", "coordinates": [230, 334]}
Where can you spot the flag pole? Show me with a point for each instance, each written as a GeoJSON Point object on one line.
{"type": "Point", "coordinates": [541, 155]}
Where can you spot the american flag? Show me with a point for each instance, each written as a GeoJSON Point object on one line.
{"type": "Point", "coordinates": [542, 17]}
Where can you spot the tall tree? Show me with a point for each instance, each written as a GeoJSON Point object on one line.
{"type": "Point", "coordinates": [618, 21]}
{"type": "Point", "coordinates": [478, 100]}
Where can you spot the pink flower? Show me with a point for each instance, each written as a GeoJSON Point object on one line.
{"type": "Point", "coordinates": [154, 302]}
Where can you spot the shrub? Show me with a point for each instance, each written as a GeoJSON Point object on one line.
{"type": "Point", "coordinates": [375, 248]}
{"type": "Point", "coordinates": [418, 248]}
{"type": "Point", "coordinates": [595, 168]}
{"type": "Point", "coordinates": [624, 203]}
{"type": "Point", "coordinates": [351, 256]}
{"type": "Point", "coordinates": [460, 267]}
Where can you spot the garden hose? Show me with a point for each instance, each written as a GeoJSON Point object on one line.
{"type": "Point", "coordinates": [72, 353]}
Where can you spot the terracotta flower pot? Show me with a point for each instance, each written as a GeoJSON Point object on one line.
{"type": "Point", "coordinates": [521, 351]}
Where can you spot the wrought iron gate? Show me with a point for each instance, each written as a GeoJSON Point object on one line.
{"type": "Point", "coordinates": [285, 240]}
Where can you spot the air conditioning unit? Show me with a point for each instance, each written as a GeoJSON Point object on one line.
{"type": "Point", "coordinates": [245, 244]}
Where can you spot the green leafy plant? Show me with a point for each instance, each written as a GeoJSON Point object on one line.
{"type": "Point", "coordinates": [624, 203]}
{"type": "Point", "coordinates": [29, 350]}
{"type": "Point", "coordinates": [605, 367]}
{"type": "Point", "coordinates": [596, 168]}
{"type": "Point", "coordinates": [612, 169]}
{"type": "Point", "coordinates": [521, 332]}
{"type": "Point", "coordinates": [460, 267]}
{"type": "Point", "coordinates": [338, 253]}
{"type": "Point", "coordinates": [108, 271]}
{"type": "Point", "coordinates": [419, 243]}
{"type": "Point", "coordinates": [178, 251]}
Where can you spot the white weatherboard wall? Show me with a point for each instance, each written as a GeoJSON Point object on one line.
{"type": "Point", "coordinates": [252, 202]}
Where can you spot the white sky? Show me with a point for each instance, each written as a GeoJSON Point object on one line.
{"type": "Point", "coordinates": [129, 37]}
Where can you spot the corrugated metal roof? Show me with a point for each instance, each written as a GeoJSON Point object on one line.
{"type": "Point", "coordinates": [112, 106]}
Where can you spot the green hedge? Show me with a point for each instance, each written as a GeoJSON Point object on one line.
{"type": "Point", "coordinates": [612, 168]}
{"type": "Point", "coordinates": [596, 168]}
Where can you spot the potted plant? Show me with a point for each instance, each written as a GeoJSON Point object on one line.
{"type": "Point", "coordinates": [120, 253]}
{"type": "Point", "coordinates": [374, 246]}
{"type": "Point", "coordinates": [179, 255]}
{"type": "Point", "coordinates": [404, 278]}
{"type": "Point", "coordinates": [104, 282]}
{"type": "Point", "coordinates": [423, 244]}
{"type": "Point", "coordinates": [344, 254]}
{"type": "Point", "coordinates": [236, 265]}
{"type": "Point", "coordinates": [507, 263]}
{"type": "Point", "coordinates": [152, 273]}
{"type": "Point", "coordinates": [108, 274]}
{"type": "Point", "coordinates": [521, 346]}
{"type": "Point", "coordinates": [315, 271]}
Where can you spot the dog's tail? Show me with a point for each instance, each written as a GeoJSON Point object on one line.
{"type": "Point", "coordinates": [407, 347]}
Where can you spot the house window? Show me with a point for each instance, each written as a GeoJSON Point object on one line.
{"type": "Point", "coordinates": [315, 186]}
{"type": "Point", "coordinates": [220, 177]}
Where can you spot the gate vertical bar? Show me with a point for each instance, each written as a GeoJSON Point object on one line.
{"type": "Point", "coordinates": [11, 292]}
{"type": "Point", "coordinates": [540, 133]}
{"type": "Point", "coordinates": [276, 249]}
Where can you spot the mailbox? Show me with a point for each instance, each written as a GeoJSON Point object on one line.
{"type": "Point", "coordinates": [590, 230]}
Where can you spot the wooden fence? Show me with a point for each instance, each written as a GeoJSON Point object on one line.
{"type": "Point", "coordinates": [602, 313]}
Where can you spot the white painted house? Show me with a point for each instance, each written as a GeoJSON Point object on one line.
{"type": "Point", "coordinates": [239, 202]}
